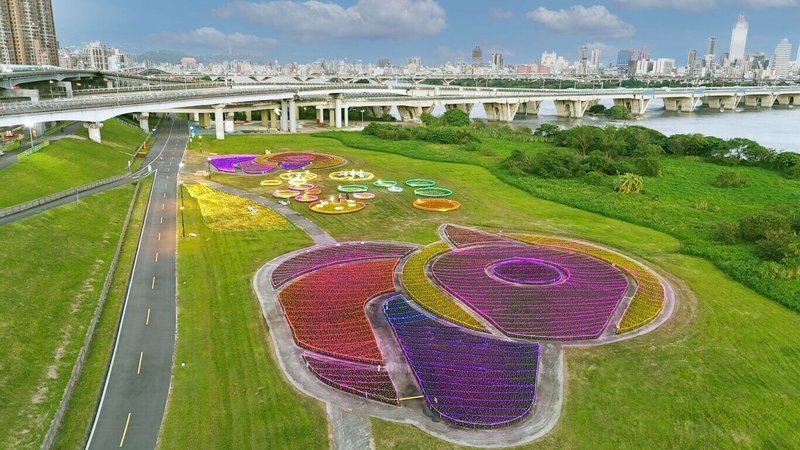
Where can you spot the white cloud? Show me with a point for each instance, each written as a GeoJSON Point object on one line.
{"type": "Point", "coordinates": [314, 19]}
{"type": "Point", "coordinates": [593, 20]}
{"type": "Point", "coordinates": [213, 39]}
{"type": "Point", "coordinates": [502, 14]}
{"type": "Point", "coordinates": [707, 5]}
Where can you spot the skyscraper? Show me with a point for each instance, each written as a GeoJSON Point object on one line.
{"type": "Point", "coordinates": [595, 58]}
{"type": "Point", "coordinates": [691, 60]}
{"type": "Point", "coordinates": [783, 51]}
{"type": "Point", "coordinates": [583, 59]}
{"type": "Point", "coordinates": [477, 56]}
{"type": "Point", "coordinates": [623, 60]}
{"type": "Point", "coordinates": [712, 46]}
{"type": "Point", "coordinates": [497, 60]}
{"type": "Point", "coordinates": [738, 41]}
{"type": "Point", "coordinates": [27, 33]}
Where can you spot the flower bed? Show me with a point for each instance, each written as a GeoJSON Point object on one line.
{"type": "Point", "coordinates": [325, 308]}
{"type": "Point", "coordinates": [359, 379]}
{"type": "Point", "coordinates": [229, 163]}
{"type": "Point", "coordinates": [223, 211]}
{"type": "Point", "coordinates": [254, 168]}
{"type": "Point", "coordinates": [577, 307]}
{"type": "Point", "coordinates": [417, 285]}
{"type": "Point", "coordinates": [648, 300]}
{"type": "Point", "coordinates": [309, 160]}
{"type": "Point", "coordinates": [470, 380]}
{"type": "Point", "coordinates": [433, 192]}
{"type": "Point", "coordinates": [337, 207]}
{"type": "Point", "coordinates": [436, 204]}
{"type": "Point", "coordinates": [317, 258]}
{"type": "Point", "coordinates": [462, 237]}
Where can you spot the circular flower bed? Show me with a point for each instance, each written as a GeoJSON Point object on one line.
{"type": "Point", "coordinates": [285, 193]}
{"type": "Point", "coordinates": [395, 189]}
{"type": "Point", "coordinates": [434, 192]}
{"type": "Point", "coordinates": [521, 270]}
{"type": "Point", "coordinates": [385, 183]}
{"type": "Point", "coordinates": [340, 206]}
{"type": "Point", "coordinates": [420, 183]}
{"type": "Point", "coordinates": [351, 175]}
{"type": "Point", "coordinates": [363, 195]}
{"type": "Point", "coordinates": [306, 198]}
{"type": "Point", "coordinates": [294, 160]}
{"type": "Point", "coordinates": [436, 204]}
{"type": "Point", "coordinates": [351, 188]}
{"type": "Point", "coordinates": [313, 191]}
{"type": "Point", "coordinates": [271, 183]}
{"type": "Point", "coordinates": [301, 187]}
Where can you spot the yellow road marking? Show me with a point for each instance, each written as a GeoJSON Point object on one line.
{"type": "Point", "coordinates": [139, 369]}
{"type": "Point", "coordinates": [165, 195]}
{"type": "Point", "coordinates": [125, 431]}
{"type": "Point", "coordinates": [162, 219]}
{"type": "Point", "coordinates": [147, 320]}
{"type": "Point", "coordinates": [153, 284]}
{"type": "Point", "coordinates": [159, 236]}
{"type": "Point", "coordinates": [156, 256]}
{"type": "Point", "coordinates": [163, 205]}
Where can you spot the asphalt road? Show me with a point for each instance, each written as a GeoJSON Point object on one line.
{"type": "Point", "coordinates": [135, 392]}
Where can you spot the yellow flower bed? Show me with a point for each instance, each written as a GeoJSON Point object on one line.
{"type": "Point", "coordinates": [223, 211]}
{"type": "Point", "coordinates": [647, 302]}
{"type": "Point", "coordinates": [430, 297]}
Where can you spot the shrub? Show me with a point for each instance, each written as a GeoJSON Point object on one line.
{"type": "Point", "coordinates": [471, 147]}
{"type": "Point", "coordinates": [730, 178]}
{"type": "Point", "coordinates": [650, 167]}
{"type": "Point", "coordinates": [778, 245]}
{"type": "Point", "coordinates": [595, 179]}
{"type": "Point", "coordinates": [429, 120]}
{"type": "Point", "coordinates": [629, 183]}
{"type": "Point", "coordinates": [727, 232]}
{"type": "Point", "coordinates": [547, 130]}
{"type": "Point", "coordinates": [554, 164]}
{"type": "Point", "coordinates": [596, 109]}
{"type": "Point", "coordinates": [455, 118]}
{"type": "Point", "coordinates": [755, 226]}
{"type": "Point", "coordinates": [618, 113]}
{"type": "Point", "coordinates": [517, 162]}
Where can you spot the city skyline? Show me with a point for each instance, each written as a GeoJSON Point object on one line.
{"type": "Point", "coordinates": [435, 31]}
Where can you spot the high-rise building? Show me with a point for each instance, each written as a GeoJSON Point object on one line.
{"type": "Point", "coordinates": [497, 60]}
{"type": "Point", "coordinates": [595, 58]}
{"type": "Point", "coordinates": [798, 55]}
{"type": "Point", "coordinates": [95, 56]}
{"type": "Point", "coordinates": [477, 56]}
{"type": "Point", "coordinates": [712, 46]}
{"type": "Point", "coordinates": [783, 51]}
{"type": "Point", "coordinates": [623, 60]}
{"type": "Point", "coordinates": [27, 33]}
{"type": "Point", "coordinates": [583, 60]}
{"type": "Point", "coordinates": [738, 41]}
{"type": "Point", "coordinates": [691, 60]}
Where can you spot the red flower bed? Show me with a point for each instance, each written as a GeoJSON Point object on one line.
{"type": "Point", "coordinates": [359, 379]}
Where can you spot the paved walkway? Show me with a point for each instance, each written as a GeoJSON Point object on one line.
{"type": "Point", "coordinates": [136, 388]}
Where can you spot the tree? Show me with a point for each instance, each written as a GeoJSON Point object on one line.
{"type": "Point", "coordinates": [629, 183]}
{"type": "Point", "coordinates": [455, 118]}
{"type": "Point", "coordinates": [547, 130]}
{"type": "Point", "coordinates": [756, 226]}
{"type": "Point", "coordinates": [581, 138]}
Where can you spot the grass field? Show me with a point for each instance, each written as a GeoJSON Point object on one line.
{"type": "Point", "coordinates": [722, 373]}
{"type": "Point", "coordinates": [68, 163]}
{"type": "Point", "coordinates": [53, 267]}
{"type": "Point", "coordinates": [230, 393]}
{"type": "Point", "coordinates": [84, 399]}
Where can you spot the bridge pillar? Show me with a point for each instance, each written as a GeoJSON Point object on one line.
{"type": "Point", "coordinates": [680, 104]}
{"type": "Point", "coordinates": [67, 85]}
{"type": "Point", "coordinates": [760, 101]}
{"type": "Point", "coordinates": [346, 116]}
{"type": "Point", "coordinates": [205, 121]}
{"type": "Point", "coordinates": [284, 116]}
{"type": "Point", "coordinates": [727, 102]}
{"type": "Point", "coordinates": [144, 123]}
{"type": "Point", "coordinates": [466, 107]}
{"type": "Point", "coordinates": [33, 94]}
{"type": "Point", "coordinates": [501, 112]}
{"type": "Point", "coordinates": [571, 108]}
{"type": "Point", "coordinates": [196, 117]}
{"type": "Point", "coordinates": [530, 108]}
{"type": "Point", "coordinates": [380, 111]}
{"type": "Point", "coordinates": [94, 131]}
{"type": "Point", "coordinates": [273, 119]}
{"type": "Point", "coordinates": [248, 116]}
{"type": "Point", "coordinates": [788, 99]}
{"type": "Point", "coordinates": [338, 112]}
{"type": "Point", "coordinates": [229, 125]}
{"type": "Point", "coordinates": [409, 113]}
{"type": "Point", "coordinates": [320, 115]}
{"type": "Point", "coordinates": [293, 116]}
{"type": "Point", "coordinates": [219, 123]}
{"type": "Point", "coordinates": [636, 106]}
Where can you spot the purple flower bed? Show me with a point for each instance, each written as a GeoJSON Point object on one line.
{"type": "Point", "coordinates": [318, 258]}
{"type": "Point", "coordinates": [227, 163]}
{"type": "Point", "coordinates": [359, 379]}
{"type": "Point", "coordinates": [463, 237]}
{"type": "Point", "coordinates": [254, 168]}
{"type": "Point", "coordinates": [578, 305]}
{"type": "Point", "coordinates": [471, 380]}
{"type": "Point", "coordinates": [289, 165]}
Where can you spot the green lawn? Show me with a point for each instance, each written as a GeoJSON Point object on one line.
{"type": "Point", "coordinates": [231, 393]}
{"type": "Point", "coordinates": [722, 373]}
{"type": "Point", "coordinates": [84, 399]}
{"type": "Point", "coordinates": [53, 268]}
{"type": "Point", "coordinates": [68, 163]}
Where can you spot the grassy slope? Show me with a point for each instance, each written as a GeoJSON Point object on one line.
{"type": "Point", "coordinates": [68, 163]}
{"type": "Point", "coordinates": [53, 266]}
{"type": "Point", "coordinates": [84, 400]}
{"type": "Point", "coordinates": [230, 393]}
{"type": "Point", "coordinates": [727, 357]}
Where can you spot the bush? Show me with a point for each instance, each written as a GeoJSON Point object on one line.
{"type": "Point", "coordinates": [730, 178]}
{"type": "Point", "coordinates": [596, 109]}
{"type": "Point", "coordinates": [471, 147]}
{"type": "Point", "coordinates": [629, 183]}
{"type": "Point", "coordinates": [756, 226]}
{"type": "Point", "coordinates": [455, 118]}
{"type": "Point", "coordinates": [547, 130]}
{"type": "Point", "coordinates": [618, 113]}
{"type": "Point", "coordinates": [595, 179]}
{"type": "Point", "coordinates": [429, 120]}
{"type": "Point", "coordinates": [727, 232]}
{"type": "Point", "coordinates": [517, 162]}
{"type": "Point", "coordinates": [649, 167]}
{"type": "Point", "coordinates": [554, 164]}
{"type": "Point", "coordinates": [778, 245]}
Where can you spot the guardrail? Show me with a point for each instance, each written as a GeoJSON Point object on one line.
{"type": "Point", "coordinates": [76, 191]}
{"type": "Point", "coordinates": [34, 149]}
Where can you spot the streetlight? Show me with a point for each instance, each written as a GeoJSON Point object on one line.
{"type": "Point", "coordinates": [30, 131]}
{"type": "Point", "coordinates": [362, 118]}
{"type": "Point", "coordinates": [183, 219]}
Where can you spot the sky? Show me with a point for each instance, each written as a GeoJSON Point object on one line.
{"type": "Point", "coordinates": [435, 30]}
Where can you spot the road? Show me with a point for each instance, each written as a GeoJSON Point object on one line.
{"type": "Point", "coordinates": [136, 389]}
{"type": "Point", "coordinates": [10, 158]}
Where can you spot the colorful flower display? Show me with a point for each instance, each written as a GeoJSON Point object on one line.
{"type": "Point", "coordinates": [360, 379]}
{"type": "Point", "coordinates": [436, 204]}
{"type": "Point", "coordinates": [223, 211]}
{"type": "Point", "coordinates": [337, 206]}
{"type": "Point", "coordinates": [308, 160]}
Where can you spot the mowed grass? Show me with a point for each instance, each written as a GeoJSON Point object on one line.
{"type": "Point", "coordinates": [227, 389]}
{"type": "Point", "coordinates": [721, 374]}
{"type": "Point", "coordinates": [69, 163]}
{"type": "Point", "coordinates": [53, 268]}
{"type": "Point", "coordinates": [80, 412]}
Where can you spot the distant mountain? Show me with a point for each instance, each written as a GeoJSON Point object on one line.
{"type": "Point", "coordinates": [162, 56]}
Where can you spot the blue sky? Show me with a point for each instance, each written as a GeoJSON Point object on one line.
{"type": "Point", "coordinates": [435, 30]}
